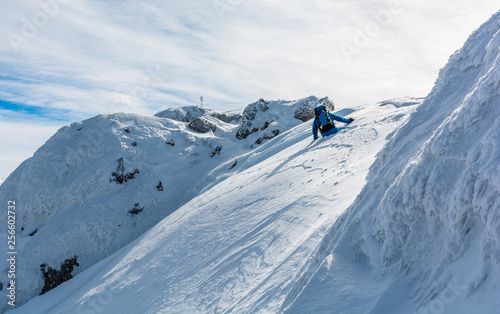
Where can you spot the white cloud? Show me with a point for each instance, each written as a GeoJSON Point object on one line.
{"type": "Point", "coordinates": [93, 56]}
{"type": "Point", "coordinates": [20, 139]}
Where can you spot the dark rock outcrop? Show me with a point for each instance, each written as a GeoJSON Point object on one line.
{"type": "Point", "coordinates": [120, 176]}
{"type": "Point", "coordinates": [170, 142]}
{"type": "Point", "coordinates": [235, 162]}
{"type": "Point", "coordinates": [137, 209]}
{"type": "Point", "coordinates": [203, 124]}
{"type": "Point", "coordinates": [216, 151]}
{"type": "Point", "coordinates": [306, 110]}
{"type": "Point", "coordinates": [249, 115]}
{"type": "Point", "coordinates": [54, 277]}
{"type": "Point", "coordinates": [267, 137]}
{"type": "Point", "coordinates": [244, 131]}
{"type": "Point", "coordinates": [227, 117]}
{"type": "Point", "coordinates": [251, 110]}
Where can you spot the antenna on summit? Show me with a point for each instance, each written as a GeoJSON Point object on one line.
{"type": "Point", "coordinates": [201, 100]}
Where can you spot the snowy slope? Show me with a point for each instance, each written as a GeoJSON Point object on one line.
{"type": "Point", "coordinates": [95, 186]}
{"type": "Point", "coordinates": [240, 243]}
{"type": "Point", "coordinates": [424, 234]}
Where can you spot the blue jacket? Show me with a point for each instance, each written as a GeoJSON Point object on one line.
{"type": "Point", "coordinates": [333, 130]}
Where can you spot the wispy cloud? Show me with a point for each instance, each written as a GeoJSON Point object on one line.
{"type": "Point", "coordinates": [20, 137]}
{"type": "Point", "coordinates": [76, 58]}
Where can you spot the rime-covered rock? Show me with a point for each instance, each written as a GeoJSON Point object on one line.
{"type": "Point", "coordinates": [191, 113]}
{"type": "Point", "coordinates": [306, 111]}
{"type": "Point", "coordinates": [204, 124]}
{"type": "Point", "coordinates": [257, 117]}
{"type": "Point", "coordinates": [228, 116]}
{"type": "Point", "coordinates": [184, 114]}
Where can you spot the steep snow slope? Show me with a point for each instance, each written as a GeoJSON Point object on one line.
{"type": "Point", "coordinates": [424, 234]}
{"type": "Point", "coordinates": [239, 244]}
{"type": "Point", "coordinates": [98, 184]}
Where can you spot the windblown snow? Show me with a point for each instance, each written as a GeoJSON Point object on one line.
{"type": "Point", "coordinates": [195, 210]}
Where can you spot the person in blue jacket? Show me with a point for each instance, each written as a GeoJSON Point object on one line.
{"type": "Point", "coordinates": [324, 122]}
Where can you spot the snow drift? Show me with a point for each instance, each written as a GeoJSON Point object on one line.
{"type": "Point", "coordinates": [425, 231]}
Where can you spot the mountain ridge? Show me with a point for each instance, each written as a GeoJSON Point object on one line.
{"type": "Point", "coordinates": [123, 200]}
{"type": "Point", "coordinates": [127, 172]}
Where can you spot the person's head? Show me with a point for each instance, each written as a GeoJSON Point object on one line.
{"type": "Point", "coordinates": [318, 110]}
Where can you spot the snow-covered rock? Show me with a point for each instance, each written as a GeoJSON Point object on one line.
{"type": "Point", "coordinates": [190, 113]}
{"type": "Point", "coordinates": [184, 114]}
{"type": "Point", "coordinates": [306, 110]}
{"type": "Point", "coordinates": [283, 115]}
{"type": "Point", "coordinates": [424, 234]}
{"type": "Point", "coordinates": [204, 124]}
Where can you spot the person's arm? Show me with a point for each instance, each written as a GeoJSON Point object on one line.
{"type": "Point", "coordinates": [315, 129]}
{"type": "Point", "coordinates": [338, 118]}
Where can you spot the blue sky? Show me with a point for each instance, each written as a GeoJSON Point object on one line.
{"type": "Point", "coordinates": [67, 60]}
{"type": "Point", "coordinates": [15, 111]}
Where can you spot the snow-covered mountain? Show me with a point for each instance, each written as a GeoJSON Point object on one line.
{"type": "Point", "coordinates": [99, 184]}
{"type": "Point", "coordinates": [398, 213]}
{"type": "Point", "coordinates": [239, 243]}
{"type": "Point", "coordinates": [424, 234]}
